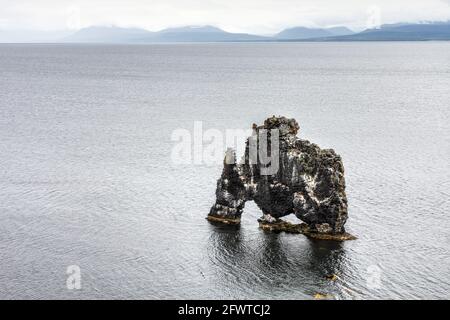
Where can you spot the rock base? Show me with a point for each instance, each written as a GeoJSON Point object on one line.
{"type": "Point", "coordinates": [229, 221]}
{"type": "Point", "coordinates": [303, 228]}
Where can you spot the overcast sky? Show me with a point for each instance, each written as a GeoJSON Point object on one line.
{"type": "Point", "coordinates": [254, 16]}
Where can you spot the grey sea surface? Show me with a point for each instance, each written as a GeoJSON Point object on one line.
{"type": "Point", "coordinates": [86, 176]}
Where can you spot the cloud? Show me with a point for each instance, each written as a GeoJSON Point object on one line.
{"type": "Point", "coordinates": [257, 16]}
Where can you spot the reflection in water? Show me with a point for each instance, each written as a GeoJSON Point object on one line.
{"type": "Point", "coordinates": [268, 265]}
{"type": "Point", "coordinates": [273, 257]}
{"type": "Point", "coordinates": [327, 256]}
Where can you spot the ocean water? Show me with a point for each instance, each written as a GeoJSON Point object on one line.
{"type": "Point", "coordinates": [86, 176]}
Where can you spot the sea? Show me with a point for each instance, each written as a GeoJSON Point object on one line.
{"type": "Point", "coordinates": [93, 205]}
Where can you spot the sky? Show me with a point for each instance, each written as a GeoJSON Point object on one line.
{"type": "Point", "coordinates": [252, 16]}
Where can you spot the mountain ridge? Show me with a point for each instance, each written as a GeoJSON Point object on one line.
{"type": "Point", "coordinates": [178, 34]}
{"type": "Point", "coordinates": [113, 34]}
{"type": "Point", "coordinates": [399, 32]}
{"type": "Point", "coordinates": [308, 33]}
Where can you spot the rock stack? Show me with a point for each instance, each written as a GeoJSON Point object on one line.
{"type": "Point", "coordinates": [284, 175]}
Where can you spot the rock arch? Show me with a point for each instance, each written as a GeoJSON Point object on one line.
{"type": "Point", "coordinates": [309, 182]}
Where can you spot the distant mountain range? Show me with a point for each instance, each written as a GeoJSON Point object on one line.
{"type": "Point", "coordinates": [182, 34]}
{"type": "Point", "coordinates": [391, 32]}
{"type": "Point", "coordinates": [194, 34]}
{"type": "Point", "coordinates": [199, 34]}
{"type": "Point", "coordinates": [298, 33]}
{"type": "Point", "coordinates": [398, 32]}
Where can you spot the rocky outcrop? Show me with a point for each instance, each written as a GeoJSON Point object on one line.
{"type": "Point", "coordinates": [284, 175]}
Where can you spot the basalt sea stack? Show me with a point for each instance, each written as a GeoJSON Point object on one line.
{"type": "Point", "coordinates": [283, 175]}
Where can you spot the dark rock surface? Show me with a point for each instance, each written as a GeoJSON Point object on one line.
{"type": "Point", "coordinates": [304, 180]}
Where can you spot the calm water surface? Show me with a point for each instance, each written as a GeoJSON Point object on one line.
{"type": "Point", "coordinates": [86, 177]}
